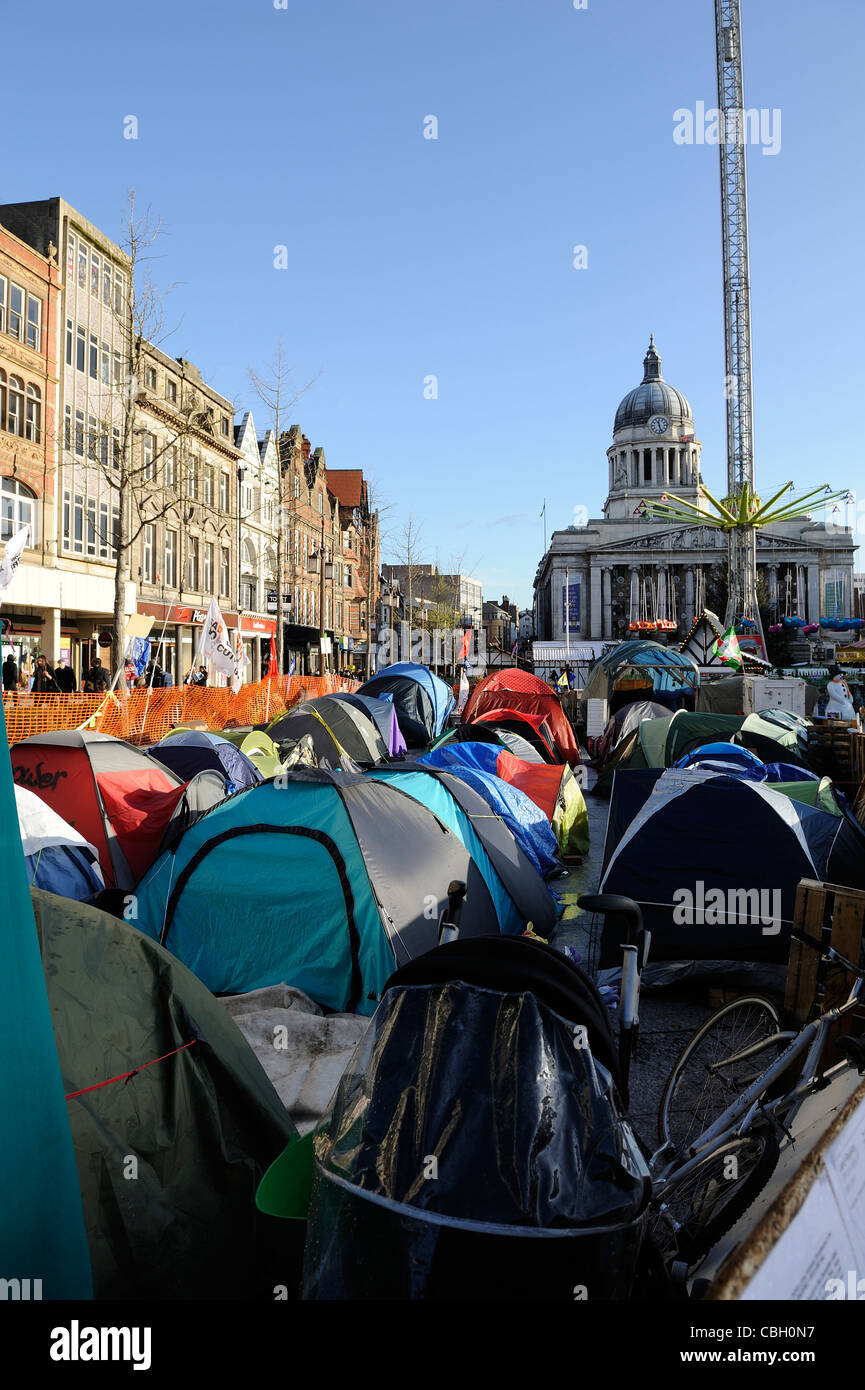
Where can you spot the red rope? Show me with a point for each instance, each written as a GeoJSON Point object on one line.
{"type": "Point", "coordinates": [128, 1075]}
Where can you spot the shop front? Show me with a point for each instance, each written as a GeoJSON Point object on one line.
{"type": "Point", "coordinates": [255, 633]}
{"type": "Point", "coordinates": [301, 645]}
{"type": "Point", "coordinates": [176, 635]}
{"type": "Point", "coordinates": [24, 637]}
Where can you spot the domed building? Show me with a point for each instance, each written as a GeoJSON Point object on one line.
{"type": "Point", "coordinates": [620, 568]}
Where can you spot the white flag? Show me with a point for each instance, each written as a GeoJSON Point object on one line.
{"type": "Point", "coordinates": [12, 555]}
{"type": "Point", "coordinates": [464, 691]}
{"type": "Point", "coordinates": [216, 644]}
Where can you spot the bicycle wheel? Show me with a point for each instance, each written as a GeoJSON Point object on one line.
{"type": "Point", "coordinates": [692, 1213]}
{"type": "Point", "coordinates": [695, 1095]}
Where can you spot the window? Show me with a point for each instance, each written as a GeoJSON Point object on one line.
{"type": "Point", "coordinates": [106, 285]}
{"type": "Point", "coordinates": [79, 433]}
{"type": "Point", "coordinates": [148, 457]}
{"type": "Point", "coordinates": [17, 510]}
{"type": "Point", "coordinates": [192, 478]}
{"type": "Point", "coordinates": [94, 356]}
{"type": "Point", "coordinates": [149, 545]}
{"type": "Point", "coordinates": [16, 311]}
{"type": "Point", "coordinates": [170, 558]}
{"type": "Point", "coordinates": [647, 465]}
{"type": "Point", "coordinates": [208, 488]}
{"type": "Point", "coordinates": [82, 267]}
{"type": "Point", "coordinates": [70, 259]}
{"type": "Point", "coordinates": [67, 428]}
{"type": "Point", "coordinates": [223, 494]}
{"type": "Point", "coordinates": [208, 568]}
{"type": "Point", "coordinates": [70, 338]}
{"type": "Point", "coordinates": [119, 292]}
{"type": "Point", "coordinates": [348, 583]}
{"type": "Point", "coordinates": [321, 504]}
{"type": "Point", "coordinates": [170, 457]}
{"type": "Point", "coordinates": [171, 391]}
{"type": "Point", "coordinates": [103, 445]}
{"type": "Point", "coordinates": [15, 418]}
{"type": "Point", "coordinates": [106, 365]}
{"type": "Point", "coordinates": [34, 321]}
{"type": "Point", "coordinates": [150, 378]}
{"type": "Point", "coordinates": [192, 564]}
{"type": "Point", "coordinates": [118, 370]}
{"type": "Point", "coordinates": [33, 421]}
{"type": "Point", "coordinates": [225, 425]}
{"type": "Point", "coordinates": [2, 302]}
{"type": "Point", "coordinates": [91, 437]}
{"type": "Point", "coordinates": [296, 486]}
{"type": "Point", "coordinates": [95, 266]}
{"type": "Point", "coordinates": [116, 447]}
{"type": "Point", "coordinates": [80, 349]}
{"type": "Point", "coordinates": [224, 570]}
{"type": "Point", "coordinates": [338, 606]}
{"type": "Point", "coordinates": [296, 604]}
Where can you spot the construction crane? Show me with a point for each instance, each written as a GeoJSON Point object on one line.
{"type": "Point", "coordinates": [738, 384]}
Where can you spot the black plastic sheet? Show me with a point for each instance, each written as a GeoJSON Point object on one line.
{"type": "Point", "coordinates": [474, 1144]}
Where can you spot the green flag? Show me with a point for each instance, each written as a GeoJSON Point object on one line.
{"type": "Point", "coordinates": [726, 649]}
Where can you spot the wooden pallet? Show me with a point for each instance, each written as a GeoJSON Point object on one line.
{"type": "Point", "coordinates": [835, 915]}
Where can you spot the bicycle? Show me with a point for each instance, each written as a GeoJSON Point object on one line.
{"type": "Point", "coordinates": [715, 1158]}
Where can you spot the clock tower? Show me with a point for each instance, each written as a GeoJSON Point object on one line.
{"type": "Point", "coordinates": [655, 448]}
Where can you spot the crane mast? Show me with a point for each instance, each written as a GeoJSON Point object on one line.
{"type": "Point", "coordinates": [742, 541]}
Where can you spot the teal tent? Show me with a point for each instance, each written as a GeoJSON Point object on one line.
{"type": "Point", "coordinates": [42, 1235]}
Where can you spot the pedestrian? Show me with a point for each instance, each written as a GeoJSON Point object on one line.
{"type": "Point", "coordinates": [569, 672]}
{"type": "Point", "coordinates": [553, 678]}
{"type": "Point", "coordinates": [153, 675]}
{"type": "Point", "coordinates": [10, 673]}
{"type": "Point", "coordinates": [129, 674]}
{"type": "Point", "coordinates": [65, 678]}
{"type": "Point", "coordinates": [43, 678]}
{"type": "Point", "coordinates": [96, 679]}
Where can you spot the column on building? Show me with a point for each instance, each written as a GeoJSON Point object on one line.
{"type": "Point", "coordinates": [595, 602]}
{"type": "Point", "coordinates": [688, 615]}
{"type": "Point", "coordinates": [663, 604]}
{"type": "Point", "coordinates": [773, 589]}
{"type": "Point", "coordinates": [813, 613]}
{"type": "Point", "coordinates": [51, 636]}
{"type": "Point", "coordinates": [633, 592]}
{"type": "Point", "coordinates": [607, 590]}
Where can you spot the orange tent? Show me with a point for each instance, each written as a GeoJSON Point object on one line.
{"type": "Point", "coordinates": [516, 689]}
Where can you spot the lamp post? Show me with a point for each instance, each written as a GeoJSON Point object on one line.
{"type": "Point", "coordinates": [325, 569]}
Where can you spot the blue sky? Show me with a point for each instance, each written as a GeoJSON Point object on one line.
{"type": "Point", "coordinates": [408, 257]}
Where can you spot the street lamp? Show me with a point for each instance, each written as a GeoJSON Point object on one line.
{"type": "Point", "coordinates": [324, 567]}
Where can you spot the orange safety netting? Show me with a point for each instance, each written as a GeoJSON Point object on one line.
{"type": "Point", "coordinates": [146, 716]}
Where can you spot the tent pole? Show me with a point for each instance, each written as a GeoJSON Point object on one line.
{"type": "Point", "coordinates": [159, 647]}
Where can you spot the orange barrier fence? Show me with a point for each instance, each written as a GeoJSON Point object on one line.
{"type": "Point", "coordinates": [145, 716]}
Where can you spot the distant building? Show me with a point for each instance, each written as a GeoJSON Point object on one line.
{"type": "Point", "coordinates": [620, 567]}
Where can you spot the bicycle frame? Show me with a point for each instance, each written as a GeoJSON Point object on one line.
{"type": "Point", "coordinates": [739, 1116]}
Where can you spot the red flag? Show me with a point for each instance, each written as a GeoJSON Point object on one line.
{"type": "Point", "coordinates": [464, 650]}
{"type": "Point", "coordinates": [272, 664]}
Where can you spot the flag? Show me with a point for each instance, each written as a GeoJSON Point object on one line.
{"type": "Point", "coordinates": [272, 660]}
{"type": "Point", "coordinates": [242, 658]}
{"type": "Point", "coordinates": [464, 649]}
{"type": "Point", "coordinates": [292, 666]}
{"type": "Point", "coordinates": [140, 654]}
{"type": "Point", "coordinates": [12, 556]}
{"type": "Point", "coordinates": [514, 648]}
{"type": "Point", "coordinates": [464, 691]}
{"type": "Point", "coordinates": [563, 681]}
{"type": "Point", "coordinates": [216, 645]}
{"type": "Point", "coordinates": [726, 649]}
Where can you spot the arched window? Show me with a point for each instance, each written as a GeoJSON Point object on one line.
{"type": "Point", "coordinates": [17, 509]}
{"type": "Point", "coordinates": [15, 418]}
{"type": "Point", "coordinates": [33, 422]}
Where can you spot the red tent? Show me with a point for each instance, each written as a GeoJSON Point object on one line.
{"type": "Point", "coordinates": [533, 727]}
{"type": "Point", "coordinates": [113, 793]}
{"type": "Point", "coordinates": [515, 689]}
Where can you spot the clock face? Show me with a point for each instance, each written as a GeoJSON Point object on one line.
{"type": "Point", "coordinates": [660, 424]}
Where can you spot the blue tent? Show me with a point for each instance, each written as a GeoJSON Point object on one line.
{"type": "Point", "coordinates": [58, 858]}
{"type": "Point", "coordinates": [475, 764]}
{"type": "Point", "coordinates": [324, 880]}
{"type": "Point", "coordinates": [691, 832]}
{"type": "Point", "coordinates": [190, 751]}
{"type": "Point", "coordinates": [423, 702]}
{"type": "Point", "coordinates": [524, 896]}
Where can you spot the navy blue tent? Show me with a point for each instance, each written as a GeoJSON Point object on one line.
{"type": "Point", "coordinates": [523, 817]}
{"type": "Point", "coordinates": [190, 751]}
{"type": "Point", "coordinates": [715, 859]}
{"type": "Point", "coordinates": [58, 858]}
{"type": "Point", "coordinates": [423, 702]}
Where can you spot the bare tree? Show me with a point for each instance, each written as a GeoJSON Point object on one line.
{"type": "Point", "coordinates": [275, 393]}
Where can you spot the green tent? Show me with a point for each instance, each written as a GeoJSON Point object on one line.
{"type": "Point", "coordinates": [172, 1118]}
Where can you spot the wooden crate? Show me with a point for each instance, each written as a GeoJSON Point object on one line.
{"type": "Point", "coordinates": [835, 915]}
